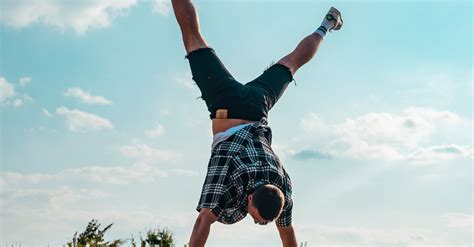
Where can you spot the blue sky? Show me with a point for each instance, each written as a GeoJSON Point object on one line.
{"type": "Point", "coordinates": [99, 119]}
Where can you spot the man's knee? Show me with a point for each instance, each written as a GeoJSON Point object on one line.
{"type": "Point", "coordinates": [287, 62]}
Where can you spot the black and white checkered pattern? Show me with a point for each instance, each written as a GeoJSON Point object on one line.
{"type": "Point", "coordinates": [237, 167]}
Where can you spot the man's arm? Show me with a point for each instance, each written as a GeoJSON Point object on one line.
{"type": "Point", "coordinates": [202, 227]}
{"type": "Point", "coordinates": [287, 235]}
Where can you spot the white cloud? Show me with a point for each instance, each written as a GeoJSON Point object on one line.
{"type": "Point", "coordinates": [20, 100]}
{"type": "Point", "coordinates": [139, 172]}
{"type": "Point", "coordinates": [54, 198]}
{"type": "Point", "coordinates": [155, 132]}
{"type": "Point", "coordinates": [164, 112]}
{"type": "Point", "coordinates": [186, 81]}
{"type": "Point", "coordinates": [308, 154]}
{"type": "Point", "coordinates": [8, 96]}
{"type": "Point", "coordinates": [86, 97]}
{"type": "Point", "coordinates": [53, 213]}
{"type": "Point", "coordinates": [6, 90]}
{"type": "Point", "coordinates": [161, 7]}
{"type": "Point", "coordinates": [184, 172]}
{"type": "Point", "coordinates": [428, 177]}
{"type": "Point", "coordinates": [144, 152]}
{"type": "Point", "coordinates": [80, 16]}
{"type": "Point", "coordinates": [407, 129]}
{"type": "Point", "coordinates": [143, 170]}
{"type": "Point", "coordinates": [24, 81]}
{"type": "Point", "coordinates": [436, 85]}
{"type": "Point", "coordinates": [53, 204]}
{"type": "Point", "coordinates": [460, 221]}
{"type": "Point", "coordinates": [435, 154]}
{"type": "Point", "coordinates": [318, 234]}
{"type": "Point", "coordinates": [79, 121]}
{"type": "Point", "coordinates": [388, 136]}
{"type": "Point", "coordinates": [47, 205]}
{"type": "Point", "coordinates": [313, 123]}
{"type": "Point", "coordinates": [17, 102]}
{"type": "Point", "coordinates": [46, 112]}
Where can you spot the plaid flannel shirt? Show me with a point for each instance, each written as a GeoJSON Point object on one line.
{"type": "Point", "coordinates": [237, 167]}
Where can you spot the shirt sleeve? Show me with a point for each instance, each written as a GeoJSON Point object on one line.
{"type": "Point", "coordinates": [214, 193]}
{"type": "Point", "coordinates": [285, 217]}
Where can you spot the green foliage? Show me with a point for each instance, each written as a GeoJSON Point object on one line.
{"type": "Point", "coordinates": [93, 236]}
{"type": "Point", "coordinates": [160, 237]}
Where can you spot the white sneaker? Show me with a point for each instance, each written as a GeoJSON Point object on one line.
{"type": "Point", "coordinates": [335, 16]}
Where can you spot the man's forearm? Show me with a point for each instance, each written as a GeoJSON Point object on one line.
{"type": "Point", "coordinates": [200, 233]}
{"type": "Point", "coordinates": [287, 235]}
{"type": "Point", "coordinates": [290, 242]}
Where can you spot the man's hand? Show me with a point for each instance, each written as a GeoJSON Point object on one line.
{"type": "Point", "coordinates": [287, 235]}
{"type": "Point", "coordinates": [202, 227]}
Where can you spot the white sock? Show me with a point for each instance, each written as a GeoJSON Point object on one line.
{"type": "Point", "coordinates": [326, 25]}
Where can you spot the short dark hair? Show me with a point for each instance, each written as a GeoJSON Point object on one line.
{"type": "Point", "coordinates": [268, 200]}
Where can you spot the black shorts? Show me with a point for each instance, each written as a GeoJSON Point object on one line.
{"type": "Point", "coordinates": [220, 90]}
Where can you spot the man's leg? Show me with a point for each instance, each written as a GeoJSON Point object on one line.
{"type": "Point", "coordinates": [274, 80]}
{"type": "Point", "coordinates": [208, 71]}
{"type": "Point", "coordinates": [188, 21]}
{"type": "Point", "coordinates": [308, 47]}
{"type": "Point", "coordinates": [305, 50]}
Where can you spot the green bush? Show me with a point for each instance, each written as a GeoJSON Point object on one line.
{"type": "Point", "coordinates": [93, 236]}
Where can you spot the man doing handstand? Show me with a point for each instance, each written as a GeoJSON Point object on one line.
{"type": "Point", "coordinates": [244, 175]}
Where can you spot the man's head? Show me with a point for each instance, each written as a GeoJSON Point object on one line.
{"type": "Point", "coordinates": [265, 203]}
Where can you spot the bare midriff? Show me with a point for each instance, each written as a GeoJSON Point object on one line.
{"type": "Point", "coordinates": [220, 125]}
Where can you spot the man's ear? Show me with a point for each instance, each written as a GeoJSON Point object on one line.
{"type": "Point", "coordinates": [250, 197]}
